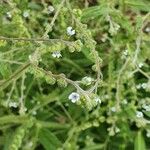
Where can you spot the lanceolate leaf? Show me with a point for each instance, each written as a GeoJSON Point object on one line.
{"type": "Point", "coordinates": [95, 11]}
{"type": "Point", "coordinates": [138, 4]}
{"type": "Point", "coordinates": [139, 143]}
{"type": "Point", "coordinates": [48, 140]}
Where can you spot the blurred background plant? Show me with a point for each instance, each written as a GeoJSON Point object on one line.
{"type": "Point", "coordinates": [74, 74]}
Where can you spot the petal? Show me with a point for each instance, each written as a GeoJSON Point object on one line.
{"type": "Point", "coordinates": [73, 100]}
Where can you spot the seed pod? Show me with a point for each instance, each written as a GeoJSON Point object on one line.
{"type": "Point", "coordinates": [2, 43]}
{"type": "Point", "coordinates": [78, 45]}
{"type": "Point", "coordinates": [62, 82]}
{"type": "Point", "coordinates": [55, 47]}
{"type": "Point", "coordinates": [17, 138]}
{"type": "Point", "coordinates": [77, 12]}
{"type": "Point", "coordinates": [38, 73]}
{"type": "Point", "coordinates": [50, 79]}
{"type": "Point", "coordinates": [94, 68]}
{"type": "Point", "coordinates": [71, 48]}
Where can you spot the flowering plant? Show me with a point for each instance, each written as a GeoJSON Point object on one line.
{"type": "Point", "coordinates": [74, 74]}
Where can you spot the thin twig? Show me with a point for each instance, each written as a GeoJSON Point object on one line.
{"type": "Point", "coordinates": [74, 83]}
{"type": "Point", "coordinates": [142, 72]}
{"type": "Point", "coordinates": [118, 83]}
{"type": "Point", "coordinates": [139, 38]}
{"type": "Point", "coordinates": [50, 26]}
{"type": "Point", "coordinates": [33, 39]}
{"type": "Point", "coordinates": [14, 76]}
{"type": "Point", "coordinates": [11, 61]}
{"type": "Point", "coordinates": [97, 62]}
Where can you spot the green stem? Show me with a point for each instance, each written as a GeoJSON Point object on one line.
{"type": "Point", "coordinates": [119, 83]}
{"type": "Point", "coordinates": [14, 76]}
{"type": "Point", "coordinates": [54, 125]}
{"type": "Point", "coordinates": [33, 39]}
{"type": "Point", "coordinates": [13, 119]}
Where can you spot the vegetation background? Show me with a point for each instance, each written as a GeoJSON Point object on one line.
{"type": "Point", "coordinates": [74, 74]}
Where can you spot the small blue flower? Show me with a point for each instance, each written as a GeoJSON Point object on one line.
{"type": "Point", "coordinates": [50, 9]}
{"type": "Point", "coordinates": [13, 104]}
{"type": "Point", "coordinates": [146, 107]}
{"type": "Point", "coordinates": [147, 30]}
{"type": "Point", "coordinates": [70, 31]}
{"type": "Point", "coordinates": [9, 15]}
{"type": "Point", "coordinates": [56, 54]}
{"type": "Point", "coordinates": [113, 109]}
{"type": "Point", "coordinates": [98, 100]}
{"type": "Point", "coordinates": [74, 97]}
{"type": "Point", "coordinates": [140, 65]}
{"type": "Point", "coordinates": [25, 14]}
{"type": "Point", "coordinates": [139, 114]}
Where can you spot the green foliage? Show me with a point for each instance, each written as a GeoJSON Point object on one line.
{"type": "Point", "coordinates": [48, 140]}
{"type": "Point", "coordinates": [139, 142]}
{"type": "Point", "coordinates": [74, 75]}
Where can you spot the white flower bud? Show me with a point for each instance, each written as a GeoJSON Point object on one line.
{"type": "Point", "coordinates": [113, 109]}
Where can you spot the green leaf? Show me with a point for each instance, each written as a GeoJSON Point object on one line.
{"type": "Point", "coordinates": [139, 143]}
{"type": "Point", "coordinates": [95, 147]}
{"type": "Point", "coordinates": [147, 113]}
{"type": "Point", "coordinates": [48, 140]}
{"type": "Point", "coordinates": [8, 138]}
{"type": "Point", "coordinates": [5, 70]}
{"type": "Point", "coordinates": [95, 11]}
{"type": "Point", "coordinates": [139, 5]}
{"type": "Point", "coordinates": [34, 6]}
